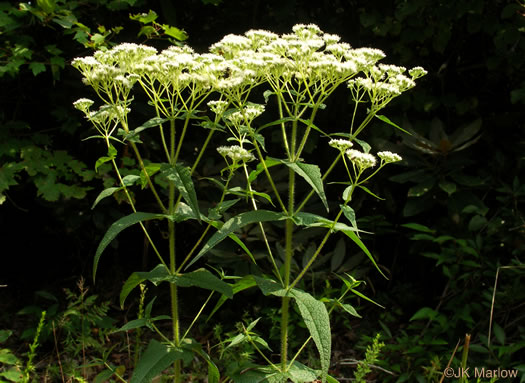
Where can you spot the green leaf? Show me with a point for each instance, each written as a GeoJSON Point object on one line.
{"type": "Point", "coordinates": [133, 135]}
{"type": "Point", "coordinates": [116, 228]}
{"type": "Point", "coordinates": [447, 187]}
{"type": "Point", "coordinates": [37, 67]}
{"type": "Point", "coordinates": [418, 227]}
{"type": "Point", "coordinates": [112, 154]}
{"type": "Point", "coordinates": [350, 215]}
{"type": "Point", "coordinates": [424, 313]}
{"type": "Point", "coordinates": [236, 239]}
{"type": "Point", "coordinates": [236, 223]}
{"type": "Point", "coordinates": [181, 176]}
{"type": "Point", "coordinates": [174, 32]}
{"type": "Point", "coordinates": [312, 175]}
{"type": "Point", "coordinates": [6, 357]}
{"type": "Point", "coordinates": [151, 169]}
{"type": "Point", "coordinates": [269, 162]}
{"type": "Point", "coordinates": [364, 145]}
{"type": "Point", "coordinates": [240, 285]}
{"type": "Point", "coordinates": [299, 373]}
{"type": "Point", "coordinates": [387, 120]}
{"type": "Point", "coordinates": [370, 192]}
{"type": "Point", "coordinates": [217, 212]}
{"type": "Point", "coordinates": [200, 278]}
{"type": "Point", "coordinates": [350, 309]}
{"type": "Point", "coordinates": [316, 319]}
{"type": "Point", "coordinates": [155, 359]}
{"type": "Point", "coordinates": [103, 194]}
{"type": "Point", "coordinates": [314, 314]}
{"type": "Point", "coordinates": [144, 18]}
{"type": "Point", "coordinates": [499, 333]}
{"type": "Point", "coordinates": [196, 348]}
{"type": "Point", "coordinates": [206, 280]}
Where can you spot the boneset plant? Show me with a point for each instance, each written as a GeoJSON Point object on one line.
{"type": "Point", "coordinates": [295, 73]}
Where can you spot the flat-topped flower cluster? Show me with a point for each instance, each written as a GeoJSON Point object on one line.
{"type": "Point", "coordinates": [307, 56]}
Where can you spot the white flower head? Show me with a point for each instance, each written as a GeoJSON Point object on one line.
{"type": "Point", "coordinates": [388, 157]}
{"type": "Point", "coordinates": [236, 153]}
{"type": "Point", "coordinates": [83, 104]}
{"type": "Point", "coordinates": [361, 160]}
{"type": "Point", "coordinates": [218, 106]}
{"type": "Point", "coordinates": [342, 145]}
{"type": "Point", "coordinates": [417, 72]}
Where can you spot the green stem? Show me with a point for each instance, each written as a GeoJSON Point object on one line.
{"type": "Point", "coordinates": [285, 303]}
{"type": "Point", "coordinates": [172, 258]}
{"type": "Point", "coordinates": [317, 252]}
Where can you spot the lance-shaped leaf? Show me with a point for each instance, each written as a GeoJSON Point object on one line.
{"type": "Point", "coordinates": [312, 175]}
{"type": "Point", "coordinates": [158, 274]}
{"type": "Point", "coordinates": [181, 176]}
{"type": "Point", "coordinates": [204, 279]}
{"type": "Point", "coordinates": [103, 194]}
{"type": "Point", "coordinates": [116, 228]}
{"type": "Point", "coordinates": [156, 359]}
{"type": "Point", "coordinates": [200, 278]}
{"type": "Point", "coordinates": [236, 223]}
{"type": "Point", "coordinates": [314, 314]}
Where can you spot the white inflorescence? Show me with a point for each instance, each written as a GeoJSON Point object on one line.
{"type": "Point", "coordinates": [389, 157]}
{"type": "Point", "coordinates": [236, 153]}
{"type": "Point", "coordinates": [340, 144]}
{"type": "Point", "coordinates": [361, 160]}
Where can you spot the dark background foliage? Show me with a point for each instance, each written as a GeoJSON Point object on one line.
{"type": "Point", "coordinates": [461, 178]}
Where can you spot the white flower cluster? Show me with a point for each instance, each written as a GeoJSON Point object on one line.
{"type": "Point", "coordinates": [362, 160]}
{"type": "Point", "coordinates": [83, 104]}
{"type": "Point", "coordinates": [236, 153]}
{"type": "Point", "coordinates": [218, 106]}
{"type": "Point", "coordinates": [342, 145]}
{"type": "Point", "coordinates": [384, 82]}
{"type": "Point", "coordinates": [246, 115]}
{"type": "Point", "coordinates": [388, 157]}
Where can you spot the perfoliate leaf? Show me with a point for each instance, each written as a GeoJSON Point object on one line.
{"type": "Point", "coordinates": [312, 175]}
{"type": "Point", "coordinates": [204, 279]}
{"type": "Point", "coordinates": [236, 223]}
{"type": "Point", "coordinates": [181, 176]}
{"type": "Point", "coordinates": [350, 215]}
{"type": "Point", "coordinates": [316, 319]}
{"type": "Point", "coordinates": [156, 359]}
{"type": "Point", "coordinates": [116, 228]}
{"type": "Point", "coordinates": [158, 274]}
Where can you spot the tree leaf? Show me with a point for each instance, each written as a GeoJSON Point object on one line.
{"type": "Point", "coordinates": [312, 175]}
{"type": "Point", "coordinates": [116, 228]}
{"type": "Point", "coordinates": [181, 176]}
{"type": "Point", "coordinates": [236, 223]}
{"type": "Point", "coordinates": [155, 359]}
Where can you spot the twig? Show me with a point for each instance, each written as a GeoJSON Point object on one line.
{"type": "Point", "coordinates": [450, 361]}
{"type": "Point", "coordinates": [58, 354]}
